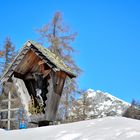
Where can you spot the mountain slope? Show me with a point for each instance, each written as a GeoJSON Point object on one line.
{"type": "Point", "coordinates": [104, 104]}
{"type": "Point", "coordinates": [98, 104]}
{"type": "Point", "coordinates": [109, 128]}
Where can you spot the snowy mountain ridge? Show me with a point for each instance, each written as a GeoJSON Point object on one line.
{"type": "Point", "coordinates": [92, 93]}
{"type": "Point", "coordinates": [98, 104]}
{"type": "Point", "coordinates": [101, 104]}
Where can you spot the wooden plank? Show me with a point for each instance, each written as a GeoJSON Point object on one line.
{"type": "Point", "coordinates": [18, 75]}
{"type": "Point", "coordinates": [48, 111]}
{"type": "Point", "coordinates": [36, 118]}
{"type": "Point", "coordinates": [6, 100]}
{"type": "Point", "coordinates": [52, 106]}
{"type": "Point", "coordinates": [12, 109]}
{"type": "Point", "coordinates": [13, 65]}
{"type": "Point", "coordinates": [28, 63]}
{"type": "Point", "coordinates": [46, 72]}
{"type": "Point", "coordinates": [46, 60]}
{"type": "Point", "coordinates": [29, 76]}
{"type": "Point", "coordinates": [56, 84]}
{"type": "Point", "coordinates": [61, 76]}
{"type": "Point", "coordinates": [11, 119]}
{"type": "Point", "coordinates": [9, 111]}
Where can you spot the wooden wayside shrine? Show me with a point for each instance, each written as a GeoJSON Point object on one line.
{"type": "Point", "coordinates": [38, 76]}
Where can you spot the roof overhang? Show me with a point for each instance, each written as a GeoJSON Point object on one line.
{"type": "Point", "coordinates": [43, 54]}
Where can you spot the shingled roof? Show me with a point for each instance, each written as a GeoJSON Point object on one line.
{"type": "Point", "coordinates": [45, 54]}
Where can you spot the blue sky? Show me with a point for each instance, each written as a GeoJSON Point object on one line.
{"type": "Point", "coordinates": [108, 38]}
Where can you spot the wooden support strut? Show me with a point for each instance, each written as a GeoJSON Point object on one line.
{"type": "Point", "coordinates": [56, 83]}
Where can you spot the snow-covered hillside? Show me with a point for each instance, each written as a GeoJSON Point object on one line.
{"type": "Point", "coordinates": [109, 128]}
{"type": "Point", "coordinates": [98, 104]}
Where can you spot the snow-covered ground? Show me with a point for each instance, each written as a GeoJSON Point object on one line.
{"type": "Point", "coordinates": [109, 128]}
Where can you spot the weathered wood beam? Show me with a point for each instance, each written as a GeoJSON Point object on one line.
{"type": "Point", "coordinates": [18, 75]}
{"type": "Point", "coordinates": [46, 72]}
{"type": "Point", "coordinates": [29, 76]}
{"type": "Point", "coordinates": [12, 109]}
{"type": "Point", "coordinates": [47, 61]}
{"type": "Point", "coordinates": [49, 113]}
{"type": "Point", "coordinates": [5, 120]}
{"type": "Point", "coordinates": [6, 100]}
{"type": "Point", "coordinates": [56, 84]}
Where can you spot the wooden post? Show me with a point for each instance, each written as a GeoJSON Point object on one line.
{"type": "Point", "coordinates": [56, 84]}
{"type": "Point", "coordinates": [9, 109]}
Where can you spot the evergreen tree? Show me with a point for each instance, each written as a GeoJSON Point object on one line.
{"type": "Point", "coordinates": [58, 37]}
{"type": "Point", "coordinates": [7, 54]}
{"type": "Point", "coordinates": [133, 111]}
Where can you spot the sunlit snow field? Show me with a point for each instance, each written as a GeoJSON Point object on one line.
{"type": "Point", "coordinates": [109, 128]}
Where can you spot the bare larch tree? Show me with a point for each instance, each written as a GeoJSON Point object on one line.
{"type": "Point", "coordinates": [58, 37]}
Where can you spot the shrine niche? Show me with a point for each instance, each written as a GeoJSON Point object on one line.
{"type": "Point", "coordinates": [38, 76]}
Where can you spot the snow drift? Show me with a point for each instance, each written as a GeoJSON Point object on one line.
{"type": "Point", "coordinates": [109, 128]}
